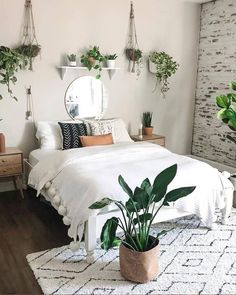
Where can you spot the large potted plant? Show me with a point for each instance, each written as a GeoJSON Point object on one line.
{"type": "Point", "coordinates": [10, 62]}
{"type": "Point", "coordinates": [93, 59]}
{"type": "Point", "coordinates": [147, 123]}
{"type": "Point", "coordinates": [227, 113]}
{"type": "Point", "coordinates": [163, 66]}
{"type": "Point", "coordinates": [138, 249]}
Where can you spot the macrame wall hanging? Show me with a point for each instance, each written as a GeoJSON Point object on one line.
{"type": "Point", "coordinates": [133, 53]}
{"type": "Point", "coordinates": [29, 45]}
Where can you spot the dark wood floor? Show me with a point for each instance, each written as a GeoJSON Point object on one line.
{"type": "Point", "coordinates": [26, 226]}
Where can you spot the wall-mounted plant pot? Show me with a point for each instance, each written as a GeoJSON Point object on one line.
{"type": "Point", "coordinates": [72, 64]}
{"type": "Point", "coordinates": [111, 63]}
{"type": "Point", "coordinates": [140, 267]}
{"type": "Point", "coordinates": [152, 67]}
{"type": "Point", "coordinates": [148, 130]}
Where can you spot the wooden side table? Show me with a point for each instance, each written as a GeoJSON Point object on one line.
{"type": "Point", "coordinates": [154, 138]}
{"type": "Point", "coordinates": [11, 165]}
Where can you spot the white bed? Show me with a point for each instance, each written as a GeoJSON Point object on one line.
{"type": "Point", "coordinates": [74, 179]}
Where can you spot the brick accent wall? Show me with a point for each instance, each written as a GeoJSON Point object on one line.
{"type": "Point", "coordinates": [216, 68]}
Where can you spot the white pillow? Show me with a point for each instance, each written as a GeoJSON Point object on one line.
{"type": "Point", "coordinates": [49, 135]}
{"type": "Point", "coordinates": [115, 126]}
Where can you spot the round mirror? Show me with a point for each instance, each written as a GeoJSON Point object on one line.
{"type": "Point", "coordinates": [86, 97]}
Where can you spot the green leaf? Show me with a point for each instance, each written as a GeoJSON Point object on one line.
{"type": "Point", "coordinates": [223, 101]}
{"type": "Point", "coordinates": [232, 96]}
{"type": "Point", "coordinates": [143, 218]}
{"type": "Point", "coordinates": [108, 234]}
{"type": "Point", "coordinates": [132, 206]}
{"type": "Point", "coordinates": [162, 181]}
{"type": "Point", "coordinates": [98, 76]}
{"type": "Point", "coordinates": [222, 114]}
{"type": "Point", "coordinates": [101, 204]}
{"type": "Point", "coordinates": [163, 232]}
{"type": "Point", "coordinates": [178, 193]}
{"type": "Point", "coordinates": [141, 197]}
{"type": "Point", "coordinates": [146, 184]}
{"type": "Point", "coordinates": [125, 186]}
{"type": "Point", "coordinates": [116, 242]}
{"type": "Point", "coordinates": [233, 85]}
{"type": "Point", "coordinates": [232, 123]}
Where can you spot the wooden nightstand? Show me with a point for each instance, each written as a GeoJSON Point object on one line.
{"type": "Point", "coordinates": [11, 165]}
{"type": "Point", "coordinates": [157, 139]}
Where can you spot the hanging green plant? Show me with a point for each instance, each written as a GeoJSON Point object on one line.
{"type": "Point", "coordinates": [93, 59]}
{"type": "Point", "coordinates": [29, 45]}
{"type": "Point", "coordinates": [10, 62]}
{"type": "Point", "coordinates": [165, 67]}
{"type": "Point", "coordinates": [30, 52]}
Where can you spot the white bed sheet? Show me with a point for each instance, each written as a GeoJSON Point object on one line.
{"type": "Point", "coordinates": [37, 155]}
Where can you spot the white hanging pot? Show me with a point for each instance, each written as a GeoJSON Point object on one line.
{"type": "Point", "coordinates": [152, 67]}
{"type": "Point", "coordinates": [111, 63]}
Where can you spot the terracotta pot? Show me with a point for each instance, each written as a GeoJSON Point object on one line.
{"type": "Point", "coordinates": [148, 130]}
{"type": "Point", "coordinates": [92, 60]}
{"type": "Point", "coordinates": [139, 267]}
{"type": "Point", "coordinates": [2, 143]}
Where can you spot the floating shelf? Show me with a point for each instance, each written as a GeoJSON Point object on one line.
{"type": "Point", "coordinates": [64, 69]}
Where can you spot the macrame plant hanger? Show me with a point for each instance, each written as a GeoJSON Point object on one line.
{"type": "Point", "coordinates": [29, 45]}
{"type": "Point", "coordinates": [132, 44]}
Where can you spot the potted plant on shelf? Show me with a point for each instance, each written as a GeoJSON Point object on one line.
{"type": "Point", "coordinates": [138, 249]}
{"type": "Point", "coordinates": [147, 123]}
{"type": "Point", "coordinates": [111, 60]}
{"type": "Point", "coordinates": [163, 66]}
{"type": "Point", "coordinates": [135, 56]}
{"type": "Point", "coordinates": [71, 60]}
{"type": "Point", "coordinates": [10, 62]}
{"type": "Point", "coordinates": [228, 115]}
{"type": "Point", "coordinates": [93, 59]}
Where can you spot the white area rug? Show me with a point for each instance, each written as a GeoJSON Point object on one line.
{"type": "Point", "coordinates": [193, 260]}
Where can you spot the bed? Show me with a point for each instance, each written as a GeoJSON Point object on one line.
{"type": "Point", "coordinates": [71, 180]}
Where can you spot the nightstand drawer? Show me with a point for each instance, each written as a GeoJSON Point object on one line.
{"type": "Point", "coordinates": [10, 160]}
{"type": "Point", "coordinates": [11, 169]}
{"type": "Point", "coordinates": [160, 141]}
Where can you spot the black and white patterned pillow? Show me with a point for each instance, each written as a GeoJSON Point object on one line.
{"type": "Point", "coordinates": [71, 133]}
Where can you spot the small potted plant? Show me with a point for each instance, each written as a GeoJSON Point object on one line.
{"type": "Point", "coordinates": [147, 123]}
{"type": "Point", "coordinates": [71, 60]}
{"type": "Point", "coordinates": [111, 60]}
{"type": "Point", "coordinates": [93, 59]}
{"type": "Point", "coordinates": [163, 66]}
{"type": "Point", "coordinates": [139, 250]}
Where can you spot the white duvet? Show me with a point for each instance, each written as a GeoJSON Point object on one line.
{"type": "Point", "coordinates": [85, 175]}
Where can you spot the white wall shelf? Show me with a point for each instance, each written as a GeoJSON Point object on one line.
{"type": "Point", "coordinates": [64, 69]}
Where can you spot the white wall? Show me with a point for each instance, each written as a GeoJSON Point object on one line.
{"type": "Point", "coordinates": [68, 26]}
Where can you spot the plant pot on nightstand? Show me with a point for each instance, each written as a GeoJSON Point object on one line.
{"type": "Point", "coordinates": [148, 130]}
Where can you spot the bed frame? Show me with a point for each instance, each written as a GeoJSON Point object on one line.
{"type": "Point", "coordinates": [94, 224]}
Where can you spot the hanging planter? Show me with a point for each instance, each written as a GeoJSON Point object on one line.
{"type": "Point", "coordinates": [133, 53]}
{"type": "Point", "coordinates": [30, 47]}
{"type": "Point", "coordinates": [163, 66]}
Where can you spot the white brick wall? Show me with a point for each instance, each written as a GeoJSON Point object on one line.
{"type": "Point", "coordinates": [216, 68]}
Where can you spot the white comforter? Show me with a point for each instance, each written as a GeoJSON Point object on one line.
{"type": "Point", "coordinates": [83, 176]}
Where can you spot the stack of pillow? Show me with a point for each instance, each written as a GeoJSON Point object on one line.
{"type": "Point", "coordinates": [68, 135]}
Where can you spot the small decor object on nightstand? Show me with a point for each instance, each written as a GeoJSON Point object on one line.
{"type": "Point", "coordinates": [11, 165]}
{"type": "Point", "coordinates": [154, 138]}
{"type": "Point", "coordinates": [147, 123]}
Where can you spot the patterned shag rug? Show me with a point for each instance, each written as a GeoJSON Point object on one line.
{"type": "Point", "coordinates": [193, 260]}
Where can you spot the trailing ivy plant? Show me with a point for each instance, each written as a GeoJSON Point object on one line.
{"type": "Point", "coordinates": [140, 211]}
{"type": "Point", "coordinates": [165, 68]}
{"type": "Point", "coordinates": [29, 52]}
{"type": "Point", "coordinates": [93, 59]}
{"type": "Point", "coordinates": [228, 111]}
{"type": "Point", "coordinates": [10, 62]}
